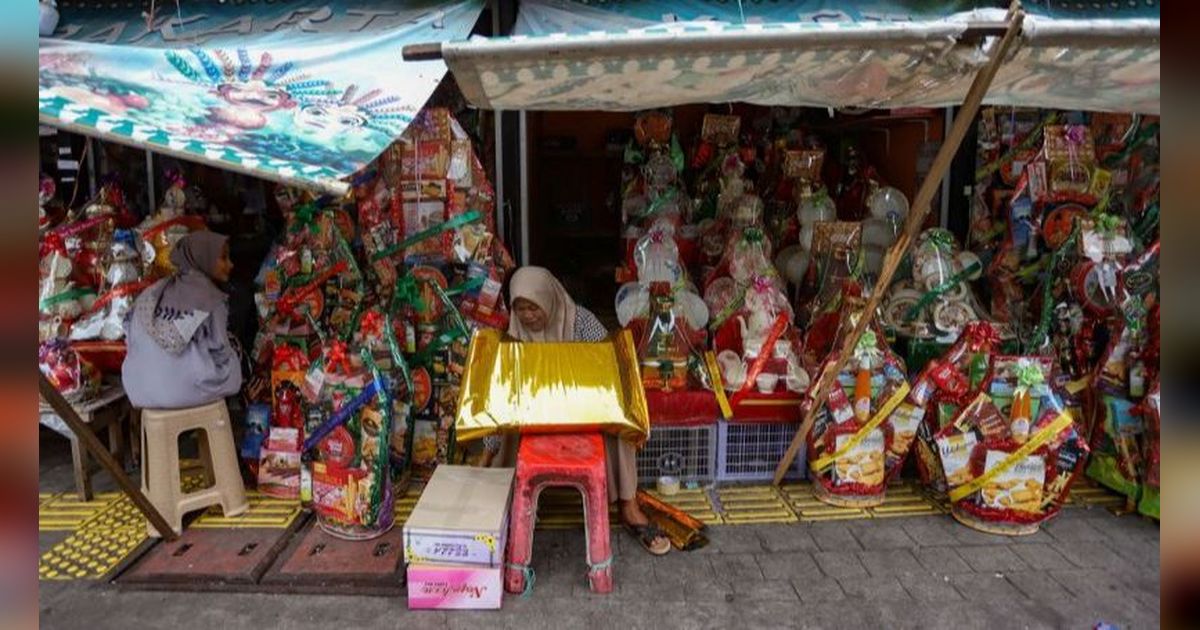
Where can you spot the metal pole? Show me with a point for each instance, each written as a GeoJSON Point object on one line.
{"type": "Point", "coordinates": [90, 148]}
{"type": "Point", "coordinates": [944, 213]}
{"type": "Point", "coordinates": [912, 226]}
{"type": "Point", "coordinates": [150, 182]}
{"type": "Point", "coordinates": [523, 148]}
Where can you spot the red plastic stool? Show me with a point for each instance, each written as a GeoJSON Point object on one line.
{"type": "Point", "coordinates": [574, 460]}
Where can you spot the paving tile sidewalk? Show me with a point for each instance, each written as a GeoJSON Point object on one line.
{"type": "Point", "coordinates": [930, 572]}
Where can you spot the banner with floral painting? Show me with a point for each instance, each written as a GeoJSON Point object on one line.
{"type": "Point", "coordinates": [303, 92]}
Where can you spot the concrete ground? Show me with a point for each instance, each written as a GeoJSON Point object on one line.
{"type": "Point", "coordinates": [1085, 567]}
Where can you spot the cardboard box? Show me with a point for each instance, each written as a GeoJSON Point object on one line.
{"type": "Point", "coordinates": [461, 518]}
{"type": "Point", "coordinates": [446, 587]}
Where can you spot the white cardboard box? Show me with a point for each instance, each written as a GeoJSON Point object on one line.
{"type": "Point", "coordinates": [461, 518]}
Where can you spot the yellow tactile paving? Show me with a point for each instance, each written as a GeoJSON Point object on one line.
{"type": "Point", "coordinates": [808, 508]}
{"type": "Point", "coordinates": [264, 511]}
{"type": "Point", "coordinates": [695, 502]}
{"type": "Point", "coordinates": [754, 504]}
{"type": "Point", "coordinates": [98, 546]}
{"type": "Point", "coordinates": [65, 512]}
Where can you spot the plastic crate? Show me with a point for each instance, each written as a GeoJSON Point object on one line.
{"type": "Point", "coordinates": [686, 453]}
{"type": "Point", "coordinates": [751, 451]}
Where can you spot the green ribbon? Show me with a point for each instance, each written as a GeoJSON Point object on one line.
{"type": "Point", "coordinates": [380, 467]}
{"type": "Point", "coordinates": [734, 306]}
{"type": "Point", "coordinates": [1134, 313]}
{"type": "Point", "coordinates": [1029, 374]}
{"type": "Point", "coordinates": [978, 368]}
{"type": "Point", "coordinates": [937, 291]}
{"type": "Point", "coordinates": [468, 286]}
{"type": "Point", "coordinates": [305, 216]}
{"type": "Point", "coordinates": [407, 292]}
{"type": "Point", "coordinates": [1107, 223]}
{"type": "Point", "coordinates": [456, 222]}
{"type": "Point", "coordinates": [1147, 223]}
{"type": "Point", "coordinates": [451, 309]}
{"type": "Point", "coordinates": [866, 350]}
{"type": "Point", "coordinates": [941, 239]}
{"type": "Point", "coordinates": [633, 155]}
{"type": "Point", "coordinates": [1143, 136]}
{"type": "Point", "coordinates": [69, 294]}
{"type": "Point", "coordinates": [659, 201]}
{"type": "Point", "coordinates": [676, 154]}
{"type": "Point", "coordinates": [752, 235]}
{"type": "Point", "coordinates": [1041, 333]}
{"type": "Point", "coordinates": [442, 341]}
{"type": "Point", "coordinates": [389, 334]}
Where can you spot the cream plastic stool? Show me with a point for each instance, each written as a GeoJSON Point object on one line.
{"type": "Point", "coordinates": [161, 482]}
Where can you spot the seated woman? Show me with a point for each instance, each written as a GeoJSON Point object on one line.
{"type": "Point", "coordinates": [178, 351]}
{"type": "Point", "coordinates": [543, 311]}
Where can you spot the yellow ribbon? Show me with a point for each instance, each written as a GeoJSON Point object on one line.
{"type": "Point", "coordinates": [1041, 437]}
{"type": "Point", "coordinates": [886, 410]}
{"type": "Point", "coordinates": [718, 385]}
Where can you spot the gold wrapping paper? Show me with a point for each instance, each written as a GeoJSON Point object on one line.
{"type": "Point", "coordinates": [510, 386]}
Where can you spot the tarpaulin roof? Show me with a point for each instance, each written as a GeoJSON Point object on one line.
{"type": "Point", "coordinates": [624, 55]}
{"type": "Point", "coordinates": [305, 92]}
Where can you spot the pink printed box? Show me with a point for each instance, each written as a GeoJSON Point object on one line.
{"type": "Point", "coordinates": [446, 587]}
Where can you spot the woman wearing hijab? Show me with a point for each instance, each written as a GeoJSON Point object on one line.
{"type": "Point", "coordinates": [543, 311]}
{"type": "Point", "coordinates": [178, 351]}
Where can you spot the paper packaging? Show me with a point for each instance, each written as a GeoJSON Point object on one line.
{"type": "Point", "coordinates": [461, 518]}
{"type": "Point", "coordinates": [445, 587]}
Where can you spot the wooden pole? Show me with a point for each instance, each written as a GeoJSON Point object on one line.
{"type": "Point", "coordinates": [92, 443]}
{"type": "Point", "coordinates": [912, 227]}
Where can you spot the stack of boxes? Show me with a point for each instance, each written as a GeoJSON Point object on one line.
{"type": "Point", "coordinates": [454, 541]}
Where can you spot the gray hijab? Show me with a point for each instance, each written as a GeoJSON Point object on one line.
{"type": "Point", "coordinates": [174, 308]}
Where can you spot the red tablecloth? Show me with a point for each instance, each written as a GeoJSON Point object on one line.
{"type": "Point", "coordinates": [699, 408]}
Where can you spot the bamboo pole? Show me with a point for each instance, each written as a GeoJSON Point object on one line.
{"type": "Point", "coordinates": [912, 227]}
{"type": "Point", "coordinates": [97, 450]}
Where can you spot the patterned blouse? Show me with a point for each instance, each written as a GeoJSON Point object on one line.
{"type": "Point", "coordinates": [587, 326]}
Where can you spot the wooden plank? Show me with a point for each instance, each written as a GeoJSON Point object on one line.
{"type": "Point", "coordinates": [912, 227]}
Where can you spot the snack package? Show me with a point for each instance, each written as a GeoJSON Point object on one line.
{"type": "Point", "coordinates": [279, 463]}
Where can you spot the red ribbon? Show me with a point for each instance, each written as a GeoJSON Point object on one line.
{"type": "Point", "coordinates": [290, 300]}
{"type": "Point", "coordinates": [981, 336]}
{"type": "Point", "coordinates": [129, 288]}
{"type": "Point", "coordinates": [289, 358]}
{"type": "Point", "coordinates": [336, 358]}
{"type": "Point", "coordinates": [72, 229]}
{"type": "Point", "coordinates": [51, 243]}
{"type": "Point", "coordinates": [372, 325]}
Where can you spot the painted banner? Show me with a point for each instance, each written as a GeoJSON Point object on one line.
{"type": "Point", "coordinates": [304, 92]}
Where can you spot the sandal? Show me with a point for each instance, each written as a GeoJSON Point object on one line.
{"type": "Point", "coordinates": [648, 535]}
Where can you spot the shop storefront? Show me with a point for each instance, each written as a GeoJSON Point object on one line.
{"type": "Point", "coordinates": [760, 194]}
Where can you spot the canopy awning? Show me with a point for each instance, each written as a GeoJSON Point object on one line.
{"type": "Point", "coordinates": [579, 54]}
{"type": "Point", "coordinates": [305, 92]}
